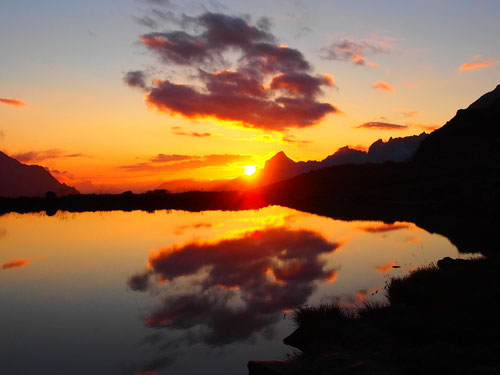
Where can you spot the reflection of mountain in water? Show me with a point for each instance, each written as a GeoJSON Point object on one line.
{"type": "Point", "coordinates": [247, 283]}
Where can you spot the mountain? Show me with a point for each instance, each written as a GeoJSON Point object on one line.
{"type": "Point", "coordinates": [471, 139]}
{"type": "Point", "coordinates": [456, 167]}
{"type": "Point", "coordinates": [281, 167]}
{"type": "Point", "coordinates": [19, 179]}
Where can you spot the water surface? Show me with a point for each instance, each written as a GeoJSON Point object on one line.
{"type": "Point", "coordinates": [175, 292]}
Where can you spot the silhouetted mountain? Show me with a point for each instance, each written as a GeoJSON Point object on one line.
{"type": "Point", "coordinates": [471, 139]}
{"type": "Point", "coordinates": [19, 179]}
{"type": "Point", "coordinates": [281, 167]}
{"type": "Point", "coordinates": [395, 149]}
{"type": "Point", "coordinates": [457, 167]}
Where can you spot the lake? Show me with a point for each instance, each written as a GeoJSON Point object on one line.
{"type": "Point", "coordinates": [175, 292]}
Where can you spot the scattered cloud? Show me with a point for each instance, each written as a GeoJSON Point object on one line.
{"type": "Point", "coordinates": [477, 63]}
{"type": "Point", "coordinates": [426, 127]}
{"type": "Point", "coordinates": [382, 228]}
{"type": "Point", "coordinates": [214, 160]}
{"type": "Point", "coordinates": [16, 263]}
{"type": "Point", "coordinates": [163, 158]}
{"type": "Point", "coordinates": [410, 85]}
{"type": "Point", "coordinates": [271, 87]}
{"type": "Point", "coordinates": [292, 139]}
{"type": "Point", "coordinates": [356, 51]}
{"type": "Point", "coordinates": [408, 113]}
{"type": "Point", "coordinates": [386, 267]}
{"type": "Point", "coordinates": [381, 85]}
{"type": "Point", "coordinates": [191, 134]}
{"type": "Point", "coordinates": [12, 102]}
{"type": "Point", "coordinates": [381, 126]}
{"type": "Point", "coordinates": [136, 78]}
{"type": "Point", "coordinates": [36, 156]}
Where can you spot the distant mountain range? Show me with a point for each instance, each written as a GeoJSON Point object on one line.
{"type": "Point", "coordinates": [456, 166]}
{"type": "Point", "coordinates": [281, 167]}
{"type": "Point", "coordinates": [18, 179]}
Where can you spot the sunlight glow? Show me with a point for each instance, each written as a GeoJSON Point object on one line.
{"type": "Point", "coordinates": [250, 169]}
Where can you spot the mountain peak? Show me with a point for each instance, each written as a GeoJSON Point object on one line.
{"type": "Point", "coordinates": [487, 99]}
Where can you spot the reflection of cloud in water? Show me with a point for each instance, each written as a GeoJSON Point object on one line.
{"type": "Point", "coordinates": [249, 281]}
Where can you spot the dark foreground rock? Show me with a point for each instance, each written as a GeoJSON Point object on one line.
{"type": "Point", "coordinates": [438, 320]}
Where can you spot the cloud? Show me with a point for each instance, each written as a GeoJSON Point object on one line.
{"type": "Point", "coordinates": [271, 88]}
{"type": "Point", "coordinates": [356, 51]}
{"type": "Point", "coordinates": [381, 126]}
{"type": "Point", "coordinates": [268, 270]}
{"type": "Point", "coordinates": [12, 102]}
{"type": "Point", "coordinates": [2, 134]}
{"type": "Point", "coordinates": [386, 267]}
{"type": "Point", "coordinates": [16, 263]}
{"type": "Point", "coordinates": [477, 63]}
{"type": "Point", "coordinates": [427, 127]}
{"type": "Point", "coordinates": [382, 228]}
{"type": "Point", "coordinates": [408, 113]}
{"type": "Point", "coordinates": [36, 156]}
{"type": "Point", "coordinates": [136, 78]}
{"type": "Point", "coordinates": [292, 139]}
{"type": "Point", "coordinates": [163, 158]}
{"type": "Point", "coordinates": [192, 134]}
{"type": "Point", "coordinates": [212, 160]}
{"type": "Point", "coordinates": [383, 86]}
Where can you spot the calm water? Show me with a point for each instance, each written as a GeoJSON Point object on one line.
{"type": "Point", "coordinates": [182, 293]}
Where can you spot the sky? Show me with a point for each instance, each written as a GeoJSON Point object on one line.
{"type": "Point", "coordinates": [118, 94]}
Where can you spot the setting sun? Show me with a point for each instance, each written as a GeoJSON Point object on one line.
{"type": "Point", "coordinates": [250, 170]}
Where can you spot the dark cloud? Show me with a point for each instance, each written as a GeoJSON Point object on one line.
{"type": "Point", "coordinates": [146, 21]}
{"type": "Point", "coordinates": [139, 282]}
{"type": "Point", "coordinates": [12, 102]}
{"type": "Point", "coordinates": [381, 126]}
{"type": "Point", "coordinates": [349, 50]}
{"type": "Point", "coordinates": [136, 78]}
{"type": "Point", "coordinates": [16, 263]}
{"type": "Point", "coordinates": [213, 160]}
{"type": "Point", "coordinates": [268, 270]}
{"type": "Point", "coordinates": [36, 156]}
{"type": "Point", "coordinates": [242, 95]}
{"type": "Point", "coordinates": [382, 228]}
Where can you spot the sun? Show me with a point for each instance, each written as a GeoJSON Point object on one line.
{"type": "Point", "coordinates": [250, 169]}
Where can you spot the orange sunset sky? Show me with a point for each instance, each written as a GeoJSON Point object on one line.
{"type": "Point", "coordinates": [125, 94]}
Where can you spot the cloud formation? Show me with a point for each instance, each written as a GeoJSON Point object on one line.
{"type": "Point", "coordinates": [178, 131]}
{"type": "Point", "coordinates": [36, 156]}
{"type": "Point", "coordinates": [381, 126]}
{"type": "Point", "coordinates": [16, 263]}
{"type": "Point", "coordinates": [381, 85]}
{"type": "Point", "coordinates": [268, 271]}
{"type": "Point", "coordinates": [271, 88]}
{"type": "Point", "coordinates": [386, 267]}
{"type": "Point", "coordinates": [189, 162]}
{"type": "Point", "coordinates": [12, 102]}
{"type": "Point", "coordinates": [355, 51]}
{"type": "Point", "coordinates": [382, 228]}
{"type": "Point", "coordinates": [477, 63]}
